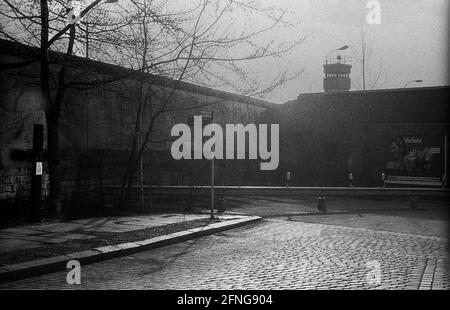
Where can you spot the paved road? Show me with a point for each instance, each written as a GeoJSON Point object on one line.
{"type": "Point", "coordinates": [282, 253]}
{"type": "Point", "coordinates": [277, 206]}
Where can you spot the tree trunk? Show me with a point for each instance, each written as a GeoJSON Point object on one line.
{"type": "Point", "coordinates": [50, 113]}
{"type": "Point", "coordinates": [127, 187]}
{"type": "Point", "coordinates": [127, 183]}
{"type": "Point", "coordinates": [125, 191]}
{"type": "Point", "coordinates": [54, 168]}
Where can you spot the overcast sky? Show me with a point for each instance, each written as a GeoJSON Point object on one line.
{"type": "Point", "coordinates": [410, 43]}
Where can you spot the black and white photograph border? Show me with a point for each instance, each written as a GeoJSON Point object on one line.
{"type": "Point", "coordinates": [225, 150]}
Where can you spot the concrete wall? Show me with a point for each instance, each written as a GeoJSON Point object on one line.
{"type": "Point", "coordinates": [329, 135]}
{"type": "Point", "coordinates": [97, 125]}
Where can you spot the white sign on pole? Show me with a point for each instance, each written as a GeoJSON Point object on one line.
{"type": "Point", "coordinates": [39, 168]}
{"type": "Point", "coordinates": [206, 114]}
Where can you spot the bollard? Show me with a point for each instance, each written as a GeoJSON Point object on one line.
{"type": "Point", "coordinates": [288, 179]}
{"type": "Point", "coordinates": [321, 204]}
{"type": "Point", "coordinates": [412, 202]}
{"type": "Point", "coordinates": [222, 205]}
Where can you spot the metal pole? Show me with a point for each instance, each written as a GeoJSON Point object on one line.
{"type": "Point", "coordinates": [141, 181]}
{"type": "Point", "coordinates": [445, 161]}
{"type": "Point", "coordinates": [212, 187]}
{"type": "Point", "coordinates": [87, 101]}
{"type": "Point", "coordinates": [87, 124]}
{"type": "Point", "coordinates": [141, 167]}
{"type": "Point", "coordinates": [212, 173]}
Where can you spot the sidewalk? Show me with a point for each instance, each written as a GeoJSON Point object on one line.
{"type": "Point", "coordinates": [36, 249]}
{"type": "Point", "coordinates": [32, 236]}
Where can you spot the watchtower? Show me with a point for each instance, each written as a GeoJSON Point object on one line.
{"type": "Point", "coordinates": [337, 74]}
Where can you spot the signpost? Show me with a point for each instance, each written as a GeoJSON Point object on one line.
{"type": "Point", "coordinates": [212, 185]}
{"type": "Point", "coordinates": [208, 116]}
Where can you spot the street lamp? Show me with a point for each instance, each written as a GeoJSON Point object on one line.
{"type": "Point", "coordinates": [412, 81]}
{"type": "Point", "coordinates": [338, 49]}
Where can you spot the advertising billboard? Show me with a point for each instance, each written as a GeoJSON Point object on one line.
{"type": "Point", "coordinates": [415, 161]}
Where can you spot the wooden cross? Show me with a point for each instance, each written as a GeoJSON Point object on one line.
{"type": "Point", "coordinates": [36, 156]}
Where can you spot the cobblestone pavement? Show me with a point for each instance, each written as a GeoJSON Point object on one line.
{"type": "Point", "coordinates": [274, 254]}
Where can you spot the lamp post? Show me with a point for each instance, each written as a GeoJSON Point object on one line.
{"type": "Point", "coordinates": [338, 49]}
{"type": "Point", "coordinates": [413, 81]}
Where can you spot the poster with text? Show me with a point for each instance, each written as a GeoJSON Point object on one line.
{"type": "Point", "coordinates": [415, 160]}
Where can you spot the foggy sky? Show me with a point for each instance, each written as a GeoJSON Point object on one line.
{"type": "Point", "coordinates": [410, 43]}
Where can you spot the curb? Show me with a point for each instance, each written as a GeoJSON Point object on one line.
{"type": "Point", "coordinates": [58, 263]}
{"type": "Point", "coordinates": [362, 211]}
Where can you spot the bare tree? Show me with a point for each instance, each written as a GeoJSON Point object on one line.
{"type": "Point", "coordinates": [373, 73]}
{"type": "Point", "coordinates": [197, 45]}
{"type": "Point", "coordinates": [201, 42]}
{"type": "Point", "coordinates": [43, 24]}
